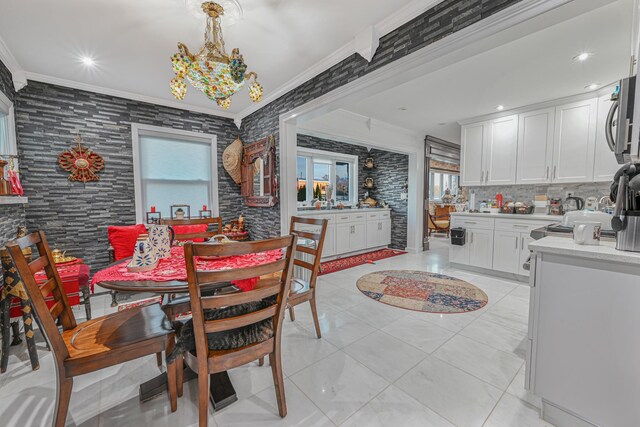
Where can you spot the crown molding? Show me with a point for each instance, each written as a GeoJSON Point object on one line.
{"type": "Point", "coordinates": [390, 23]}
{"type": "Point", "coordinates": [127, 95]}
{"type": "Point", "coordinates": [18, 75]}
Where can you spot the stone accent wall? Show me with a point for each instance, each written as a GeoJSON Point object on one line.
{"type": "Point", "coordinates": [438, 22]}
{"type": "Point", "coordinates": [75, 216]}
{"type": "Point", "coordinates": [11, 216]}
{"type": "Point", "coordinates": [525, 193]}
{"type": "Point", "coordinates": [392, 169]}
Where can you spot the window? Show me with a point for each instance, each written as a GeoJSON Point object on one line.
{"type": "Point", "coordinates": [7, 127]}
{"type": "Point", "coordinates": [439, 182]}
{"type": "Point", "coordinates": [317, 169]}
{"type": "Point", "coordinates": [174, 168]}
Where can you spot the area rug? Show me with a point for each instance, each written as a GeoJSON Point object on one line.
{"type": "Point", "coordinates": [422, 291]}
{"type": "Point", "coordinates": [356, 260]}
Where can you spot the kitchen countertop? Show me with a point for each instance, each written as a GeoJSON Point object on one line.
{"type": "Point", "coordinates": [518, 217]}
{"type": "Point", "coordinates": [339, 211]}
{"type": "Point", "coordinates": [606, 251]}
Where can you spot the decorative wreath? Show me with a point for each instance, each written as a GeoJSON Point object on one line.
{"type": "Point", "coordinates": [81, 162]}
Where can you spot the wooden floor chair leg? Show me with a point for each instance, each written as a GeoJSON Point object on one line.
{"type": "Point", "coordinates": [292, 313]}
{"type": "Point", "coordinates": [180, 375]}
{"type": "Point", "coordinates": [203, 397]}
{"type": "Point", "coordinates": [278, 382]}
{"type": "Point", "coordinates": [261, 361]}
{"type": "Point", "coordinates": [159, 359]}
{"type": "Point", "coordinates": [29, 334]}
{"type": "Point", "coordinates": [65, 385]}
{"type": "Point", "coordinates": [114, 300]}
{"type": "Point", "coordinates": [314, 313]}
{"type": "Point", "coordinates": [5, 330]}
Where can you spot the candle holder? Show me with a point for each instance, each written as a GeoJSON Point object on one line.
{"type": "Point", "coordinates": [207, 213]}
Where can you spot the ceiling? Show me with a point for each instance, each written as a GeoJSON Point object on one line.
{"type": "Point", "coordinates": [132, 41]}
{"type": "Point", "coordinates": [535, 68]}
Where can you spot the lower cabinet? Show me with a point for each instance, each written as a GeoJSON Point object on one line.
{"type": "Point", "coordinates": [378, 233]}
{"type": "Point", "coordinates": [329, 248]}
{"type": "Point", "coordinates": [481, 248]}
{"type": "Point", "coordinates": [511, 251]}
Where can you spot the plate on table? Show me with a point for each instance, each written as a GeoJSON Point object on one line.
{"type": "Point", "coordinates": [66, 260]}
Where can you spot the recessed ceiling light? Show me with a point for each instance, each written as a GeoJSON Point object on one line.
{"type": "Point", "coordinates": [88, 61]}
{"type": "Point", "coordinates": [582, 57]}
{"type": "Point", "coordinates": [592, 86]}
{"type": "Point", "coordinates": [402, 108]}
{"type": "Point", "coordinates": [441, 124]}
{"type": "Point", "coordinates": [500, 107]}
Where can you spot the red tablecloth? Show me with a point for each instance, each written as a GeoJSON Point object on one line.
{"type": "Point", "coordinates": [175, 268]}
{"type": "Point", "coordinates": [73, 275]}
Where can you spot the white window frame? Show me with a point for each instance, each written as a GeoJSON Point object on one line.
{"type": "Point", "coordinates": [6, 106]}
{"type": "Point", "coordinates": [333, 158]}
{"type": "Point", "coordinates": [442, 183]}
{"type": "Point", "coordinates": [138, 130]}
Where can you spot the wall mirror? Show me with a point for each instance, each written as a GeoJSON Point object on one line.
{"type": "Point", "coordinates": [259, 185]}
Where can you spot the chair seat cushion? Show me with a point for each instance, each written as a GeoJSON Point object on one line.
{"type": "Point", "coordinates": [442, 223]}
{"type": "Point", "coordinates": [191, 229]}
{"type": "Point", "coordinates": [231, 339]}
{"type": "Point", "coordinates": [123, 239]}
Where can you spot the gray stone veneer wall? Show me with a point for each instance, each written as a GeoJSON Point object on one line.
{"type": "Point", "coordinates": [438, 22]}
{"type": "Point", "coordinates": [525, 193]}
{"type": "Point", "coordinates": [75, 216]}
{"type": "Point", "coordinates": [392, 169]}
{"type": "Point", "coordinates": [11, 216]}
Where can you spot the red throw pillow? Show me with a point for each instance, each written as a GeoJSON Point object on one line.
{"type": "Point", "coordinates": [123, 238]}
{"type": "Point", "coordinates": [190, 229]}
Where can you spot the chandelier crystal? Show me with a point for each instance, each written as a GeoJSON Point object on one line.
{"type": "Point", "coordinates": [212, 70]}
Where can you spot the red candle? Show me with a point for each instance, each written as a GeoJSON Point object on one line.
{"type": "Point", "coordinates": [153, 208]}
{"type": "Point", "coordinates": [204, 207]}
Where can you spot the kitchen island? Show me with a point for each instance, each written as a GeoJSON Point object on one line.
{"type": "Point", "coordinates": [583, 339]}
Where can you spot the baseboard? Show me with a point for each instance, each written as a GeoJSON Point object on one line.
{"type": "Point", "coordinates": [561, 417]}
{"type": "Point", "coordinates": [489, 272]}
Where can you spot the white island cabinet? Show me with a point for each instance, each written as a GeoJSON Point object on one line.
{"type": "Point", "coordinates": [353, 230]}
{"type": "Point", "coordinates": [584, 344]}
{"type": "Point", "coordinates": [496, 242]}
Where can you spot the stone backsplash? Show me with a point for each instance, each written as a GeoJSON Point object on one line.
{"type": "Point", "coordinates": [525, 193]}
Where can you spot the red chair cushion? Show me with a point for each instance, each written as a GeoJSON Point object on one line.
{"type": "Point", "coordinates": [190, 229]}
{"type": "Point", "coordinates": [123, 238]}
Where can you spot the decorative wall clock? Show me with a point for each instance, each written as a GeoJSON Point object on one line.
{"type": "Point", "coordinates": [83, 163]}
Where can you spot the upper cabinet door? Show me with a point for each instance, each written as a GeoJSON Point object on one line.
{"type": "Point", "coordinates": [471, 165]}
{"type": "Point", "coordinates": [535, 146]}
{"type": "Point", "coordinates": [501, 151]}
{"type": "Point", "coordinates": [574, 141]}
{"type": "Point", "coordinates": [605, 164]}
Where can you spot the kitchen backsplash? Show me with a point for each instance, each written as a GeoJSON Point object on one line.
{"type": "Point", "coordinates": [525, 193]}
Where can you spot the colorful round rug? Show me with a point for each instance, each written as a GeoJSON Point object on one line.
{"type": "Point", "coordinates": [422, 291]}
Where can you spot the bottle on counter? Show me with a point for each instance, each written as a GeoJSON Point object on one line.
{"type": "Point", "coordinates": [499, 199]}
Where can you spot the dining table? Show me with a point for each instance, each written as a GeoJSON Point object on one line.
{"type": "Point", "coordinates": [115, 278]}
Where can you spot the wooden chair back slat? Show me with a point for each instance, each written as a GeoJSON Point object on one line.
{"type": "Point", "coordinates": [258, 294]}
{"type": "Point", "coordinates": [264, 288]}
{"type": "Point", "coordinates": [316, 251]}
{"type": "Point", "coordinates": [48, 287]}
{"type": "Point", "coordinates": [239, 321]}
{"type": "Point", "coordinates": [61, 310]}
{"type": "Point", "coordinates": [214, 222]}
{"type": "Point", "coordinates": [38, 264]}
{"type": "Point", "coordinates": [240, 273]}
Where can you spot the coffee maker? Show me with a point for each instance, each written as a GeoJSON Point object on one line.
{"type": "Point", "coordinates": [625, 190]}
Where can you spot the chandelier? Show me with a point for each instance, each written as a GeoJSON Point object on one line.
{"type": "Point", "coordinates": [212, 70]}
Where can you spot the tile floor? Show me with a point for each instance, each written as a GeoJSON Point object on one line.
{"type": "Point", "coordinates": [376, 365]}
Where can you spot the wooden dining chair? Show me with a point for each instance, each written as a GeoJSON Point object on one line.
{"type": "Point", "coordinates": [214, 227]}
{"type": "Point", "coordinates": [99, 343]}
{"type": "Point", "coordinates": [269, 320]}
{"type": "Point", "coordinates": [305, 290]}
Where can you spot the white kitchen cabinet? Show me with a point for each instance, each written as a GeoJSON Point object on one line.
{"type": "Point", "coordinates": [471, 164]}
{"type": "Point", "coordinates": [481, 248]}
{"type": "Point", "coordinates": [605, 164]}
{"type": "Point", "coordinates": [329, 247]}
{"type": "Point", "coordinates": [459, 254]}
{"type": "Point", "coordinates": [525, 253]}
{"type": "Point", "coordinates": [358, 237]}
{"type": "Point", "coordinates": [574, 142]}
{"type": "Point", "coordinates": [506, 251]}
{"type": "Point", "coordinates": [385, 232]}
{"type": "Point", "coordinates": [535, 146]}
{"type": "Point", "coordinates": [501, 151]}
{"type": "Point", "coordinates": [343, 238]}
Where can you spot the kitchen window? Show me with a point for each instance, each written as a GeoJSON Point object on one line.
{"type": "Point", "coordinates": [8, 145]}
{"type": "Point", "coordinates": [317, 169]}
{"type": "Point", "coordinates": [439, 182]}
{"type": "Point", "coordinates": [174, 167]}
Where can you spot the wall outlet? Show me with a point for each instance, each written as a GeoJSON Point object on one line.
{"type": "Point", "coordinates": [568, 194]}
{"type": "Point", "coordinates": [404, 196]}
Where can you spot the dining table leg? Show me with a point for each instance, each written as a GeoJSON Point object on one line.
{"type": "Point", "coordinates": [221, 391]}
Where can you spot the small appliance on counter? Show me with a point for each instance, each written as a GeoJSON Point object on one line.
{"type": "Point", "coordinates": [625, 190]}
{"type": "Point", "coordinates": [573, 203]}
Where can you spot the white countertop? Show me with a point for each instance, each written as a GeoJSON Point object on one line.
{"type": "Point", "coordinates": [339, 211]}
{"type": "Point", "coordinates": [606, 251]}
{"type": "Point", "coordinates": [518, 217]}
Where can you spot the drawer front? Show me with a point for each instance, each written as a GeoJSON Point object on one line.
{"type": "Point", "coordinates": [466, 222]}
{"type": "Point", "coordinates": [372, 216]}
{"type": "Point", "coordinates": [330, 217]}
{"type": "Point", "coordinates": [350, 217]}
{"type": "Point", "coordinates": [518, 225]}
{"type": "Point", "coordinates": [385, 215]}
